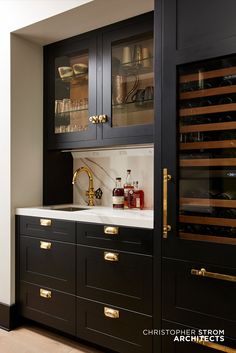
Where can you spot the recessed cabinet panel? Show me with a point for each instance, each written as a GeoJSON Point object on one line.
{"type": "Point", "coordinates": [199, 295]}
{"type": "Point", "coordinates": [116, 277]}
{"type": "Point", "coordinates": [42, 262]}
{"type": "Point", "coordinates": [113, 327]}
{"type": "Point", "coordinates": [48, 306]}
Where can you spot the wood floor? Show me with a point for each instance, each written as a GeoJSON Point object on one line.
{"type": "Point", "coordinates": [27, 339]}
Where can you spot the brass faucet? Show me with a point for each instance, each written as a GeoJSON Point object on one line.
{"type": "Point", "coordinates": [90, 192]}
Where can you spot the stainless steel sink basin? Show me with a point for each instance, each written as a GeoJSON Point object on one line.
{"type": "Point", "coordinates": [69, 209]}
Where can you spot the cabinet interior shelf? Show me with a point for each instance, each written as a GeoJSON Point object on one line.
{"type": "Point", "coordinates": [208, 238]}
{"type": "Point", "coordinates": [208, 74]}
{"type": "Point", "coordinates": [208, 92]}
{"type": "Point", "coordinates": [206, 162]}
{"type": "Point", "coordinates": [220, 108]}
{"type": "Point", "coordinates": [130, 107]}
{"type": "Point", "coordinates": [208, 127]}
{"type": "Point", "coordinates": [59, 115]}
{"type": "Point", "coordinates": [208, 145]}
{"type": "Point", "coordinates": [207, 202]}
{"type": "Point", "coordinates": [214, 221]}
{"type": "Point", "coordinates": [143, 66]}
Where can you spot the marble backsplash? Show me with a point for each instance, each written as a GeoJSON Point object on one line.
{"type": "Point", "coordinates": [106, 165]}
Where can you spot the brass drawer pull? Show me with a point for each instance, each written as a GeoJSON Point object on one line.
{"type": "Point", "coordinates": [204, 273]}
{"type": "Point", "coordinates": [45, 245]}
{"type": "Point", "coordinates": [44, 293]}
{"type": "Point", "coordinates": [45, 222]}
{"type": "Point", "coordinates": [111, 230]}
{"type": "Point", "coordinates": [111, 256]}
{"type": "Point", "coordinates": [216, 346]}
{"type": "Point", "coordinates": [112, 313]}
{"type": "Point", "coordinates": [166, 226]}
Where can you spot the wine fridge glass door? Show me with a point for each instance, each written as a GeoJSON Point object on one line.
{"type": "Point", "coordinates": [207, 151]}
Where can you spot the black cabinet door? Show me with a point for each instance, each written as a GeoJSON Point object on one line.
{"type": "Point", "coordinates": [200, 295]}
{"type": "Point", "coordinates": [70, 85]}
{"type": "Point", "coordinates": [116, 277]}
{"type": "Point", "coordinates": [113, 327]}
{"type": "Point", "coordinates": [128, 82]}
{"type": "Point", "coordinates": [43, 262]}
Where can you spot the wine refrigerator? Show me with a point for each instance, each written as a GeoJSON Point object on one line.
{"type": "Point", "coordinates": [207, 151]}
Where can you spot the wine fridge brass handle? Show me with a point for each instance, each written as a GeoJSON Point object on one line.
{"type": "Point", "coordinates": [44, 293]}
{"type": "Point", "coordinates": [102, 118]}
{"type": "Point", "coordinates": [112, 313]}
{"type": "Point", "coordinates": [45, 245]}
{"type": "Point", "coordinates": [166, 226]}
{"type": "Point", "coordinates": [111, 230]}
{"type": "Point", "coordinates": [94, 119]}
{"type": "Point", "coordinates": [204, 273]}
{"type": "Point", "coordinates": [111, 256]}
{"type": "Point", "coordinates": [45, 222]}
{"type": "Point", "coordinates": [216, 346]}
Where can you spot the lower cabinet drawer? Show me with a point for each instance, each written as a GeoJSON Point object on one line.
{"type": "Point", "coordinates": [48, 263]}
{"type": "Point", "coordinates": [117, 277]}
{"type": "Point", "coordinates": [200, 299]}
{"type": "Point", "coordinates": [48, 306]}
{"type": "Point", "coordinates": [114, 328]}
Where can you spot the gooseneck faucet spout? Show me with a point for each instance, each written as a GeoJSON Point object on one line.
{"type": "Point", "coordinates": [90, 192]}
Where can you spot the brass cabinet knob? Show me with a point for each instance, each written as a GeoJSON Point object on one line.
{"type": "Point", "coordinates": [44, 293]}
{"type": "Point", "coordinates": [112, 313]}
{"type": "Point", "coordinates": [111, 256]}
{"type": "Point", "coordinates": [45, 222]}
{"type": "Point", "coordinates": [94, 119]}
{"type": "Point", "coordinates": [102, 118]}
{"type": "Point", "coordinates": [45, 245]}
{"type": "Point", "coordinates": [111, 230]}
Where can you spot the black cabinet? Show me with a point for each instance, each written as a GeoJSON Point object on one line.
{"type": "Point", "coordinates": [85, 280]}
{"type": "Point", "coordinates": [99, 87]}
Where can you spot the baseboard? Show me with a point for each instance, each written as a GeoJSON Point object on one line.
{"type": "Point", "coordinates": [7, 316]}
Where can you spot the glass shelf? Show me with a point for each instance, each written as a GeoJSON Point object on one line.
{"type": "Point", "coordinates": [131, 107]}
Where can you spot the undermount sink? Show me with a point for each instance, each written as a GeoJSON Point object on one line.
{"type": "Point", "coordinates": [69, 209]}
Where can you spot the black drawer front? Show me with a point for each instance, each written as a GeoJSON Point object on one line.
{"type": "Point", "coordinates": [128, 238]}
{"type": "Point", "coordinates": [54, 229]}
{"type": "Point", "coordinates": [199, 301]}
{"type": "Point", "coordinates": [48, 263]}
{"type": "Point", "coordinates": [171, 346]}
{"type": "Point", "coordinates": [123, 334]}
{"type": "Point", "coordinates": [126, 282]}
{"type": "Point", "coordinates": [57, 312]}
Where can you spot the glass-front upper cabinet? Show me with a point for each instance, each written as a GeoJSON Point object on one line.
{"type": "Point", "coordinates": [74, 90]}
{"type": "Point", "coordinates": [128, 80]}
{"type": "Point", "coordinates": [207, 151]}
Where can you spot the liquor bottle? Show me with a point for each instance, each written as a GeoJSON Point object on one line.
{"type": "Point", "coordinates": [127, 187]}
{"type": "Point", "coordinates": [118, 195]}
{"type": "Point", "coordinates": [136, 197]}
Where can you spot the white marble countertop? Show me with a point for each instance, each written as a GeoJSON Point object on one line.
{"type": "Point", "coordinates": [96, 214]}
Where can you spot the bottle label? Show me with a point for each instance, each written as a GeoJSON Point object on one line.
{"type": "Point", "coordinates": [138, 202]}
{"type": "Point", "coordinates": [118, 200]}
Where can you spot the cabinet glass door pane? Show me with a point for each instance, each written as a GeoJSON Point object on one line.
{"type": "Point", "coordinates": [71, 93]}
{"type": "Point", "coordinates": [132, 82]}
{"type": "Point", "coordinates": [207, 151]}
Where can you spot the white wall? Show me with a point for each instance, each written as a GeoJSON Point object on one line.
{"type": "Point", "coordinates": [41, 22]}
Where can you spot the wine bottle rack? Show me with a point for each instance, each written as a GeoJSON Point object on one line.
{"type": "Point", "coordinates": [207, 133]}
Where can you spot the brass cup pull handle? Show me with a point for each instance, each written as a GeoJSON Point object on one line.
{"type": "Point", "coordinates": [111, 230]}
{"type": "Point", "coordinates": [111, 256]}
{"type": "Point", "coordinates": [94, 119]}
{"type": "Point", "coordinates": [204, 273]}
{"type": "Point", "coordinates": [112, 313]}
{"type": "Point", "coordinates": [102, 118]}
{"type": "Point", "coordinates": [45, 245]}
{"type": "Point", "coordinates": [45, 222]}
{"type": "Point", "coordinates": [216, 346]}
{"type": "Point", "coordinates": [166, 226]}
{"type": "Point", "coordinates": [44, 293]}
